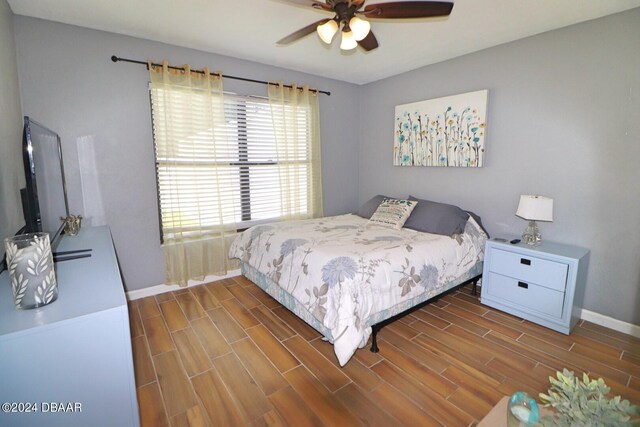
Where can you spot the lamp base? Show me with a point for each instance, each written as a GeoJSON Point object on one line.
{"type": "Point", "coordinates": [531, 235]}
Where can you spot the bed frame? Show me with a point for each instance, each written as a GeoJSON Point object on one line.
{"type": "Point", "coordinates": [289, 302]}
{"type": "Point", "coordinates": [376, 327]}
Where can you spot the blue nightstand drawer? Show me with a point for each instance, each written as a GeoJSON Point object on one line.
{"type": "Point", "coordinates": [531, 269]}
{"type": "Point", "coordinates": [528, 296]}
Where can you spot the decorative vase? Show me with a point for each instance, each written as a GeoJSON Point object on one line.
{"type": "Point", "coordinates": [31, 270]}
{"type": "Point", "coordinates": [522, 410]}
{"type": "Point", "coordinates": [72, 224]}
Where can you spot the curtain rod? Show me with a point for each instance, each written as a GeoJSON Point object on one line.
{"type": "Point", "coordinates": [133, 61]}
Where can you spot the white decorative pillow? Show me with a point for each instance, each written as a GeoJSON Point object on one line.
{"type": "Point", "coordinates": [392, 213]}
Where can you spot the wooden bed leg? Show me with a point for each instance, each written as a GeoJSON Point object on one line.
{"type": "Point", "coordinates": [374, 340]}
{"type": "Point", "coordinates": [474, 289]}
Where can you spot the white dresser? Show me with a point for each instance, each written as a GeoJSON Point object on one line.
{"type": "Point", "coordinates": [69, 363]}
{"type": "Point", "coordinates": [543, 284]}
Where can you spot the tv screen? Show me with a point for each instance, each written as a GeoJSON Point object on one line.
{"type": "Point", "coordinates": [45, 198]}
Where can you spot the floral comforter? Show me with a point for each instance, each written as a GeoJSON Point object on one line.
{"type": "Point", "coordinates": [346, 273]}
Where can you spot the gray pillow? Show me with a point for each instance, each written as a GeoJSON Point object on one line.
{"type": "Point", "coordinates": [479, 221]}
{"type": "Point", "coordinates": [370, 206]}
{"type": "Point", "coordinates": [436, 218]}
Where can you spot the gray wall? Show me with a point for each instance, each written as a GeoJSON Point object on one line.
{"type": "Point", "coordinates": [563, 121]}
{"type": "Point", "coordinates": [11, 170]}
{"type": "Point", "coordinates": [101, 111]}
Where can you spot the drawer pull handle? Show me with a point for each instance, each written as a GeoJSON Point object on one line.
{"type": "Point", "coordinates": [523, 285]}
{"type": "Point", "coordinates": [525, 261]}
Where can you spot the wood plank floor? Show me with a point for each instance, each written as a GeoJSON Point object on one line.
{"type": "Point", "coordinates": [226, 354]}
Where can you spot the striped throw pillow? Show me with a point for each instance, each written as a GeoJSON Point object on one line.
{"type": "Point", "coordinates": [392, 213]}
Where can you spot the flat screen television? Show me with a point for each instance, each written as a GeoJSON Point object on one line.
{"type": "Point", "coordinates": [44, 200]}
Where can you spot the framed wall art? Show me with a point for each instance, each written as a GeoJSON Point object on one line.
{"type": "Point", "coordinates": [447, 131]}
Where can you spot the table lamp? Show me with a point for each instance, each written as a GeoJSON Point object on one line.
{"type": "Point", "coordinates": [534, 208]}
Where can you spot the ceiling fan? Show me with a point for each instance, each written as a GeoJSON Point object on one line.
{"type": "Point", "coordinates": [355, 30]}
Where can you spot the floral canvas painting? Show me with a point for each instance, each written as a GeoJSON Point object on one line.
{"type": "Point", "coordinates": [447, 131]}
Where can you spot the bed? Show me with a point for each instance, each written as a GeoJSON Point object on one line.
{"type": "Point", "coordinates": [343, 276]}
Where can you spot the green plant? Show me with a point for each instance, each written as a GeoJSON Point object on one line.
{"type": "Point", "coordinates": [585, 404]}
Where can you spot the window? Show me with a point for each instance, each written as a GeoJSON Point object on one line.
{"type": "Point", "coordinates": [235, 164]}
{"type": "Point", "coordinates": [250, 123]}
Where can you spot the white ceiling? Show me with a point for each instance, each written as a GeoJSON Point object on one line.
{"type": "Point", "coordinates": [249, 29]}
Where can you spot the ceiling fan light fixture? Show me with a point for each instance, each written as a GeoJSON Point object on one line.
{"type": "Point", "coordinates": [348, 40]}
{"type": "Point", "coordinates": [327, 30]}
{"type": "Point", "coordinates": [360, 27]}
{"type": "Point", "coordinates": [356, 31]}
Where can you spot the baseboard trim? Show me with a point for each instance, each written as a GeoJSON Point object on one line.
{"type": "Point", "coordinates": [161, 289]}
{"type": "Point", "coordinates": [610, 322]}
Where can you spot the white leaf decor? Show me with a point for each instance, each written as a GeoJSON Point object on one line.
{"type": "Point", "coordinates": [13, 252]}
{"type": "Point", "coordinates": [31, 269]}
{"type": "Point", "coordinates": [19, 286]}
{"type": "Point", "coordinates": [46, 291]}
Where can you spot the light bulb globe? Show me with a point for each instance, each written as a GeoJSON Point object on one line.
{"type": "Point", "coordinates": [348, 41]}
{"type": "Point", "coordinates": [327, 30]}
{"type": "Point", "coordinates": [360, 28]}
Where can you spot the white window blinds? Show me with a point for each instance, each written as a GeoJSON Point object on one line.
{"type": "Point", "coordinates": [236, 166]}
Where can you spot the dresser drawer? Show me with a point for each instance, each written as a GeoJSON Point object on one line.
{"type": "Point", "coordinates": [526, 295]}
{"type": "Point", "coordinates": [550, 274]}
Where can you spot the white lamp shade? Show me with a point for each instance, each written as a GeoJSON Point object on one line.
{"type": "Point", "coordinates": [348, 41]}
{"type": "Point", "coordinates": [327, 30]}
{"type": "Point", "coordinates": [535, 208]}
{"type": "Point", "coordinates": [360, 28]}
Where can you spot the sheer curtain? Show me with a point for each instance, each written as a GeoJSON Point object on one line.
{"type": "Point", "coordinates": [296, 124]}
{"type": "Point", "coordinates": [195, 179]}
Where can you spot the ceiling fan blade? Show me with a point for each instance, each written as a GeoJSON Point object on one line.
{"type": "Point", "coordinates": [302, 32]}
{"type": "Point", "coordinates": [369, 43]}
{"type": "Point", "coordinates": [357, 3]}
{"type": "Point", "coordinates": [407, 9]}
{"type": "Point", "coordinates": [313, 3]}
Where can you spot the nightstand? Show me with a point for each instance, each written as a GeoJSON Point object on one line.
{"type": "Point", "coordinates": [543, 284]}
